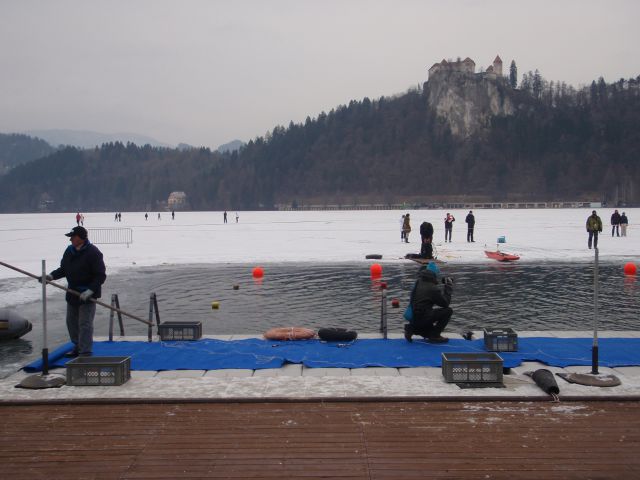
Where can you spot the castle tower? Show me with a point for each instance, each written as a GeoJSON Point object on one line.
{"type": "Point", "coordinates": [497, 65]}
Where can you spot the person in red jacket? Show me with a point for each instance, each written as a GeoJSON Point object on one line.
{"type": "Point", "coordinates": [448, 226]}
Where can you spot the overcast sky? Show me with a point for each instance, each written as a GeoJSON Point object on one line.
{"type": "Point", "coordinates": [207, 72]}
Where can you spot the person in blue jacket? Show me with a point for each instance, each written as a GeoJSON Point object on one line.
{"type": "Point", "coordinates": [83, 266]}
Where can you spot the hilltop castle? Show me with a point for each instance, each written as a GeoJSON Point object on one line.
{"type": "Point", "coordinates": [466, 66]}
{"type": "Point", "coordinates": [467, 99]}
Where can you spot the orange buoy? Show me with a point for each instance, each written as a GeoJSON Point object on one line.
{"type": "Point", "coordinates": [630, 268]}
{"type": "Point", "coordinates": [258, 272]}
{"type": "Point", "coordinates": [376, 270]}
{"type": "Point", "coordinates": [289, 333]}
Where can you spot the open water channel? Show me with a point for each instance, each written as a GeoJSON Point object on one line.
{"type": "Point", "coordinates": [542, 296]}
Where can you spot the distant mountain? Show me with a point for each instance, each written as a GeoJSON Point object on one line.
{"type": "Point", "coordinates": [16, 149]}
{"type": "Point", "coordinates": [231, 146]}
{"type": "Point", "coordinates": [88, 139]}
{"type": "Point", "coordinates": [185, 146]}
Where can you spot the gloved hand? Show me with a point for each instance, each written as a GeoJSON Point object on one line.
{"type": "Point", "coordinates": [84, 296]}
{"type": "Point", "coordinates": [448, 281]}
{"type": "Point", "coordinates": [48, 278]}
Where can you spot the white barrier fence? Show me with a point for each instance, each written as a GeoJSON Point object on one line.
{"type": "Point", "coordinates": [111, 235]}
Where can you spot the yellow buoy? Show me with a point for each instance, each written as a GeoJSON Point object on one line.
{"type": "Point", "coordinates": [215, 305]}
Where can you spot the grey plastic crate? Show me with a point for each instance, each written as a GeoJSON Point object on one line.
{"type": "Point", "coordinates": [500, 340]}
{"type": "Point", "coordinates": [180, 330]}
{"type": "Point", "coordinates": [98, 371]}
{"type": "Point", "coordinates": [472, 367]}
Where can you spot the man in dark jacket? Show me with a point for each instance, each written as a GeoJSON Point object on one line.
{"type": "Point", "coordinates": [471, 222]}
{"type": "Point", "coordinates": [428, 321]}
{"type": "Point", "coordinates": [84, 269]}
{"type": "Point", "coordinates": [615, 223]}
{"type": "Point", "coordinates": [594, 226]}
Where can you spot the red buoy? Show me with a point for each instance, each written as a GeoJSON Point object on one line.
{"type": "Point", "coordinates": [395, 303]}
{"type": "Point", "coordinates": [383, 285]}
{"type": "Point", "coordinates": [258, 272]}
{"type": "Point", "coordinates": [376, 270]}
{"type": "Point", "coordinates": [630, 268]}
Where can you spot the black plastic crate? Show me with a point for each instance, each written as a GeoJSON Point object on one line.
{"type": "Point", "coordinates": [472, 368]}
{"type": "Point", "coordinates": [500, 340]}
{"type": "Point", "coordinates": [185, 330]}
{"type": "Point", "coordinates": [98, 371]}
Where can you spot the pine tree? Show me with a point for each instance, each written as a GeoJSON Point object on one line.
{"type": "Point", "coordinates": [513, 74]}
{"type": "Point", "coordinates": [537, 84]}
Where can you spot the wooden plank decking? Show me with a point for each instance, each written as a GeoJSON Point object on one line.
{"type": "Point", "coordinates": [376, 440]}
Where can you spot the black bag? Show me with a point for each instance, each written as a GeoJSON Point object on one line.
{"type": "Point", "coordinates": [337, 334]}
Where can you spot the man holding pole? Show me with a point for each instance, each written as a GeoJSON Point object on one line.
{"type": "Point", "coordinates": [84, 269]}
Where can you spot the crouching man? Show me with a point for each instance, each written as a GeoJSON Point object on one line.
{"type": "Point", "coordinates": [428, 321]}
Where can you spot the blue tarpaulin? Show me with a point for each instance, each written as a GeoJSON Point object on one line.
{"type": "Point", "coordinates": [258, 354]}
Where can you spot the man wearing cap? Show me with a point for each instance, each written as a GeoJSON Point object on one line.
{"type": "Point", "coordinates": [84, 269]}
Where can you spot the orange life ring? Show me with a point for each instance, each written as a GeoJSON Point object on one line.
{"type": "Point", "coordinates": [289, 333]}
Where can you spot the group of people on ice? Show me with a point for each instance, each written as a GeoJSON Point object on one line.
{"type": "Point", "coordinates": [619, 224]}
{"type": "Point", "coordinates": [426, 231]}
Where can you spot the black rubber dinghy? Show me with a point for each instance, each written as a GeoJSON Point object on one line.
{"type": "Point", "coordinates": [373, 256]}
{"type": "Point", "coordinates": [12, 325]}
{"type": "Point", "coordinates": [337, 334]}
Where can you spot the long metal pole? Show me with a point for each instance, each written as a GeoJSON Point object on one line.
{"type": "Point", "coordinates": [77, 294]}
{"type": "Point", "coordinates": [594, 350]}
{"type": "Point", "coordinates": [383, 313]}
{"type": "Point", "coordinates": [45, 350]}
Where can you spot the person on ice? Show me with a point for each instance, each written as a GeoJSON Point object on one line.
{"type": "Point", "coordinates": [406, 228]}
{"type": "Point", "coordinates": [624, 221]}
{"type": "Point", "coordinates": [448, 226]}
{"type": "Point", "coordinates": [426, 237]}
{"type": "Point", "coordinates": [471, 222]}
{"type": "Point", "coordinates": [615, 223]}
{"type": "Point", "coordinates": [594, 226]}
{"type": "Point", "coordinates": [427, 321]}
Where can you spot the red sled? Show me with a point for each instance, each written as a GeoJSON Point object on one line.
{"type": "Point", "coordinates": [501, 256]}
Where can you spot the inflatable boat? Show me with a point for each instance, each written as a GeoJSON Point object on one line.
{"type": "Point", "coordinates": [12, 325]}
{"type": "Point", "coordinates": [501, 256]}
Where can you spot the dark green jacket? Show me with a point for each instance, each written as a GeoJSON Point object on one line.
{"type": "Point", "coordinates": [594, 224]}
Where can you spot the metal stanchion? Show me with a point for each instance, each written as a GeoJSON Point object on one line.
{"type": "Point", "coordinates": [36, 382]}
{"type": "Point", "coordinates": [594, 349]}
{"type": "Point", "coordinates": [45, 349]}
{"type": "Point", "coordinates": [593, 378]}
{"type": "Point", "coordinates": [383, 314]}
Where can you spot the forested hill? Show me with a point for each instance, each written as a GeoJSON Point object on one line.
{"type": "Point", "coordinates": [558, 144]}
{"type": "Point", "coordinates": [16, 149]}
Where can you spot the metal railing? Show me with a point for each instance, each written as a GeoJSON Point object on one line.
{"type": "Point", "coordinates": [111, 235]}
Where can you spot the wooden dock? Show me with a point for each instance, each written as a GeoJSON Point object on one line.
{"type": "Point", "coordinates": [368, 440]}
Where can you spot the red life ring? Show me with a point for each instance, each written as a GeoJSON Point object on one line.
{"type": "Point", "coordinates": [289, 333]}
